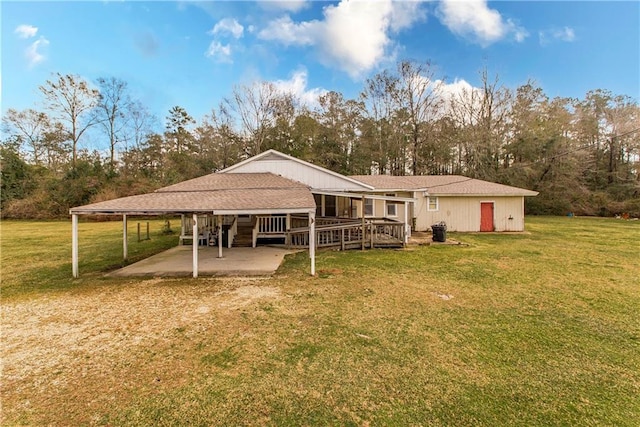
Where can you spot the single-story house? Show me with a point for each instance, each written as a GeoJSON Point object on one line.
{"type": "Point", "coordinates": [274, 195]}
{"type": "Point", "coordinates": [464, 204]}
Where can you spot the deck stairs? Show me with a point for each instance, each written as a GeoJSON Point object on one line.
{"type": "Point", "coordinates": [244, 236]}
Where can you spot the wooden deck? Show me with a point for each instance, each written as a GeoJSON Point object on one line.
{"type": "Point", "coordinates": [350, 234]}
{"type": "Point", "coordinates": [339, 233]}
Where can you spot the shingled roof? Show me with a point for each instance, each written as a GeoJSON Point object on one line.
{"type": "Point", "coordinates": [219, 193]}
{"type": "Point", "coordinates": [442, 185]}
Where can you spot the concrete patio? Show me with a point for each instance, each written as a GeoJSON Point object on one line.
{"type": "Point", "coordinates": [259, 261]}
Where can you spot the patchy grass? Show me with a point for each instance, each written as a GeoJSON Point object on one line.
{"type": "Point", "coordinates": [527, 329]}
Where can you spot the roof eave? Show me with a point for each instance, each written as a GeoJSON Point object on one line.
{"type": "Point", "coordinates": [259, 211]}
{"type": "Point", "coordinates": [481, 194]}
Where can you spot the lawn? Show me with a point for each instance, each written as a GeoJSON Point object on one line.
{"type": "Point", "coordinates": [540, 328]}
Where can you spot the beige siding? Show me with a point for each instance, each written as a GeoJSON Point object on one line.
{"type": "Point", "coordinates": [312, 177]}
{"type": "Point", "coordinates": [463, 213]}
{"type": "Point", "coordinates": [380, 208]}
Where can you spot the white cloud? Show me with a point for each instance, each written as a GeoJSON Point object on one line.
{"type": "Point", "coordinates": [289, 33]}
{"type": "Point", "coordinates": [26, 31]}
{"type": "Point", "coordinates": [457, 88]}
{"type": "Point", "coordinates": [566, 34]}
{"type": "Point", "coordinates": [33, 54]}
{"type": "Point", "coordinates": [458, 93]}
{"type": "Point", "coordinates": [219, 52]}
{"type": "Point", "coordinates": [474, 19]}
{"type": "Point", "coordinates": [405, 13]}
{"type": "Point", "coordinates": [286, 5]}
{"type": "Point", "coordinates": [228, 26]}
{"type": "Point", "coordinates": [297, 86]}
{"type": "Point", "coordinates": [354, 35]}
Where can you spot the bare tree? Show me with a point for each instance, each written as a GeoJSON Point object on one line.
{"type": "Point", "coordinates": [140, 124]}
{"type": "Point", "coordinates": [217, 139]}
{"type": "Point", "coordinates": [417, 92]}
{"type": "Point", "coordinates": [112, 112]}
{"type": "Point", "coordinates": [255, 106]}
{"type": "Point", "coordinates": [481, 116]}
{"type": "Point", "coordinates": [73, 102]}
{"type": "Point", "coordinates": [29, 126]}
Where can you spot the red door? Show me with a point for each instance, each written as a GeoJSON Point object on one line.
{"type": "Point", "coordinates": [486, 216]}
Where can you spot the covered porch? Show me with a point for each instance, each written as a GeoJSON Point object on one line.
{"type": "Point", "coordinates": [341, 222]}
{"type": "Point", "coordinates": [220, 210]}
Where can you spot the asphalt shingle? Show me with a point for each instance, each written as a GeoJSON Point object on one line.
{"type": "Point", "coordinates": [214, 192]}
{"type": "Point", "coordinates": [443, 184]}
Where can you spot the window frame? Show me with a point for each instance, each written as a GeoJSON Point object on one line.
{"type": "Point", "coordinates": [437, 203]}
{"type": "Point", "coordinates": [369, 202]}
{"type": "Point", "coordinates": [387, 205]}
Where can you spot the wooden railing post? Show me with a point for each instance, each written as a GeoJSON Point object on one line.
{"type": "Point", "coordinates": [372, 230]}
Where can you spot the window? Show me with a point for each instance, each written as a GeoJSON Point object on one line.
{"type": "Point", "coordinates": [318, 199]}
{"type": "Point", "coordinates": [432, 203]}
{"type": "Point", "coordinates": [330, 206]}
{"type": "Point", "coordinates": [368, 207]}
{"type": "Point", "coordinates": [392, 208]}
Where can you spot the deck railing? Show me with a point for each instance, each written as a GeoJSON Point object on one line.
{"type": "Point", "coordinates": [349, 234]}
{"type": "Point", "coordinates": [272, 225]}
{"type": "Point", "coordinates": [387, 232]}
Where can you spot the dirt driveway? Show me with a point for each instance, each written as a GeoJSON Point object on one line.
{"type": "Point", "coordinates": [80, 344]}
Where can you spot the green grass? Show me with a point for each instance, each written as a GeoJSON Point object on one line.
{"type": "Point", "coordinates": [540, 328]}
{"type": "Point", "coordinates": [36, 255]}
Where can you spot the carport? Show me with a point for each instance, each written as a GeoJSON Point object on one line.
{"type": "Point", "coordinates": [177, 261]}
{"type": "Point", "coordinates": [218, 195]}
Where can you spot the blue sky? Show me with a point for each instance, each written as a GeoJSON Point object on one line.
{"type": "Point", "coordinates": [192, 53]}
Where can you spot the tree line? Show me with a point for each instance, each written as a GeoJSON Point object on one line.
{"type": "Point", "coordinates": [582, 155]}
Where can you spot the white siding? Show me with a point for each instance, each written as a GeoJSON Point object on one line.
{"type": "Point", "coordinates": [463, 213]}
{"type": "Point", "coordinates": [314, 178]}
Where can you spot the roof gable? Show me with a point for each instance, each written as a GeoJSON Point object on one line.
{"type": "Point", "coordinates": [295, 169]}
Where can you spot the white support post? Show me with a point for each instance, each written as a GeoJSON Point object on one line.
{"type": "Point", "coordinates": [363, 226]}
{"type": "Point", "coordinates": [288, 231]}
{"type": "Point", "coordinates": [312, 241]}
{"type": "Point", "coordinates": [182, 230]}
{"type": "Point", "coordinates": [407, 229]}
{"type": "Point", "coordinates": [125, 254]}
{"type": "Point", "coordinates": [74, 245]}
{"type": "Point", "coordinates": [219, 236]}
{"type": "Point", "coordinates": [195, 243]}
